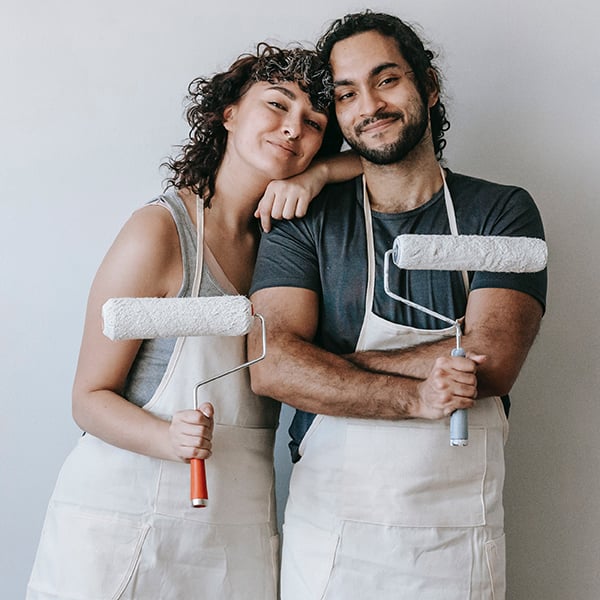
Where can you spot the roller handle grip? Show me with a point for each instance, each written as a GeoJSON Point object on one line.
{"type": "Point", "coordinates": [198, 487]}
{"type": "Point", "coordinates": [459, 422]}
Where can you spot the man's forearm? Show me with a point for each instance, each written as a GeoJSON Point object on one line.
{"type": "Point", "coordinates": [311, 379]}
{"type": "Point", "coordinates": [299, 373]}
{"type": "Point", "coordinates": [415, 362]}
{"type": "Point", "coordinates": [500, 325]}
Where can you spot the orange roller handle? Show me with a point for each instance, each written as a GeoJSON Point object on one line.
{"type": "Point", "coordinates": [198, 488]}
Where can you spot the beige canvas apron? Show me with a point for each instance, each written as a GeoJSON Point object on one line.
{"type": "Point", "coordinates": [388, 509]}
{"type": "Point", "coordinates": [120, 525]}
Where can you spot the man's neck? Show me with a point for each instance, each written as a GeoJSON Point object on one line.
{"type": "Point", "coordinates": [402, 186]}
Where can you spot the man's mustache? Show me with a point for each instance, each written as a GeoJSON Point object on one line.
{"type": "Point", "coordinates": [379, 117]}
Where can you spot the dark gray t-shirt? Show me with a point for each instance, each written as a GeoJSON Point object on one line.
{"type": "Point", "coordinates": [326, 252]}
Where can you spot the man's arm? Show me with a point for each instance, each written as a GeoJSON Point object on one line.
{"type": "Point", "coordinates": [307, 377]}
{"type": "Point", "coordinates": [499, 323]}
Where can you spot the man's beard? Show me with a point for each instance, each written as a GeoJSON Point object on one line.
{"type": "Point", "coordinates": [409, 138]}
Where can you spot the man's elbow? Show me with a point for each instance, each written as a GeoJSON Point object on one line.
{"type": "Point", "coordinates": [496, 382]}
{"type": "Point", "coordinates": [261, 379]}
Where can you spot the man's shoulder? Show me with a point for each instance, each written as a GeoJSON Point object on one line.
{"type": "Point", "coordinates": [488, 197]}
{"type": "Point", "coordinates": [330, 211]}
{"type": "Point", "coordinates": [337, 194]}
{"type": "Point", "coordinates": [471, 184]}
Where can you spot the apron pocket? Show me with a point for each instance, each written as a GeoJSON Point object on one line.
{"type": "Point", "coordinates": [407, 474]}
{"type": "Point", "coordinates": [184, 560]}
{"type": "Point", "coordinates": [307, 560]}
{"type": "Point", "coordinates": [85, 555]}
{"type": "Point", "coordinates": [239, 476]}
{"type": "Point", "coordinates": [393, 563]}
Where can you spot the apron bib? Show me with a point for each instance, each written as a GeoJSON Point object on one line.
{"type": "Point", "coordinates": [120, 524]}
{"type": "Point", "coordinates": [388, 509]}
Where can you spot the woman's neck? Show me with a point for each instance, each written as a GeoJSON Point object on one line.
{"type": "Point", "coordinates": [238, 190]}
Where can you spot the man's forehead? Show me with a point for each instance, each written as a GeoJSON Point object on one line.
{"type": "Point", "coordinates": [363, 54]}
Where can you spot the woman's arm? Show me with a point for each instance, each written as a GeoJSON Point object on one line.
{"type": "Point", "coordinates": [289, 198]}
{"type": "Point", "coordinates": [144, 261]}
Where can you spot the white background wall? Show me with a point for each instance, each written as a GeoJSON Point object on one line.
{"type": "Point", "coordinates": [91, 103]}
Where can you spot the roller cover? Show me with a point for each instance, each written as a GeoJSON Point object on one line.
{"type": "Point", "coordinates": [145, 318]}
{"type": "Point", "coordinates": [470, 253]}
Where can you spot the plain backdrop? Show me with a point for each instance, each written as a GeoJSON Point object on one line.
{"type": "Point", "coordinates": [91, 104]}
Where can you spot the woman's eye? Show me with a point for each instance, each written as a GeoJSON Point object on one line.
{"type": "Point", "coordinates": [314, 125]}
{"type": "Point", "coordinates": [277, 105]}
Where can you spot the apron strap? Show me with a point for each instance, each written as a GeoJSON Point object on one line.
{"type": "Point", "coordinates": [453, 224]}
{"type": "Point", "coordinates": [371, 243]}
{"type": "Point", "coordinates": [199, 246]}
{"type": "Point", "coordinates": [370, 248]}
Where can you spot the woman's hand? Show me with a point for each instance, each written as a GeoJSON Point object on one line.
{"type": "Point", "coordinates": [190, 432]}
{"type": "Point", "coordinates": [289, 198]}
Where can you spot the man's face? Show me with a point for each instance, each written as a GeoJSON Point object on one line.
{"type": "Point", "coordinates": [379, 109]}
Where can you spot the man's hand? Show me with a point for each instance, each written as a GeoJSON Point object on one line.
{"type": "Point", "coordinates": [452, 384]}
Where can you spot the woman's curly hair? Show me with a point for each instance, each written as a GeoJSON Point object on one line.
{"type": "Point", "coordinates": [198, 162]}
{"type": "Point", "coordinates": [412, 49]}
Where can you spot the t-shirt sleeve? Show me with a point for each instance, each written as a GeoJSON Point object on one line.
{"type": "Point", "coordinates": [287, 258]}
{"type": "Point", "coordinates": [517, 216]}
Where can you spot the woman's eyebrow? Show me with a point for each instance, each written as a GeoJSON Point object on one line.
{"type": "Point", "coordinates": [285, 91]}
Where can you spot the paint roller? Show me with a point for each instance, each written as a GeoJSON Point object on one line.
{"type": "Point", "coordinates": [462, 253]}
{"type": "Point", "coordinates": [146, 318]}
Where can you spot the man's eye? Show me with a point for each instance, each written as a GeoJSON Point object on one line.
{"type": "Point", "coordinates": [345, 96]}
{"type": "Point", "coordinates": [388, 80]}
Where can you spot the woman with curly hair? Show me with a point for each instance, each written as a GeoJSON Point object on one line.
{"type": "Point", "coordinates": [119, 523]}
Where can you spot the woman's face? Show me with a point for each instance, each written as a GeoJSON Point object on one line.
{"type": "Point", "coordinates": [273, 129]}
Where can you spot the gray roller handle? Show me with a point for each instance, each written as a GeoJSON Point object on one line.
{"type": "Point", "coordinates": [459, 420]}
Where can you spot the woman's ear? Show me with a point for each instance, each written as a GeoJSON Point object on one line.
{"type": "Point", "coordinates": [229, 116]}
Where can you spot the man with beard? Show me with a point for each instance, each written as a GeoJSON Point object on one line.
{"type": "Point", "coordinates": [380, 506]}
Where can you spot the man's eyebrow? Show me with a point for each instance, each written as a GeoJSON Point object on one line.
{"type": "Point", "coordinates": [374, 72]}
{"type": "Point", "coordinates": [389, 65]}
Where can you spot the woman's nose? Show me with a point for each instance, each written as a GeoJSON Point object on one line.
{"type": "Point", "coordinates": [290, 133]}
{"type": "Point", "coordinates": [291, 127]}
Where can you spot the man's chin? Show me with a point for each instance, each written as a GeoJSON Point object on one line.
{"type": "Point", "coordinates": [380, 155]}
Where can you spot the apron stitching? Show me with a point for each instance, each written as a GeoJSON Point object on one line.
{"type": "Point", "coordinates": [134, 563]}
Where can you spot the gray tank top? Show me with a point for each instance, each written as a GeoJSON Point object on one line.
{"type": "Point", "coordinates": [153, 356]}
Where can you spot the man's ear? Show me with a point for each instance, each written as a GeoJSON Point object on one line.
{"type": "Point", "coordinates": [433, 88]}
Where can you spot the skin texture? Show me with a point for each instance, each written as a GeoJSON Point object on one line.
{"type": "Point", "coordinates": [377, 103]}
{"type": "Point", "coordinates": [273, 130]}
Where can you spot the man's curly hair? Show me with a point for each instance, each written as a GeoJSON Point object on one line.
{"type": "Point", "coordinates": [412, 49]}
{"type": "Point", "coordinates": [198, 162]}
